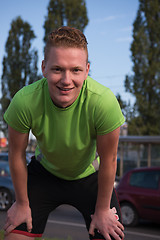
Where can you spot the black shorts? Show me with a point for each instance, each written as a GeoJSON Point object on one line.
{"type": "Point", "coordinates": [46, 192]}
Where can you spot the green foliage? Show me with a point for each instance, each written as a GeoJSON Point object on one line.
{"type": "Point", "coordinates": [68, 238]}
{"type": "Point", "coordinates": [145, 83]}
{"type": "Point", "coordinates": [1, 234]}
{"type": "Point", "coordinates": [65, 13]}
{"type": "Point", "coordinates": [19, 62]}
{"type": "Point", "coordinates": [126, 107]}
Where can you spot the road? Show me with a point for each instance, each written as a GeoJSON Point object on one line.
{"type": "Point", "coordinates": [67, 223]}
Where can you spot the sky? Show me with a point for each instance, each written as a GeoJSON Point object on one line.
{"type": "Point", "coordinates": [109, 36]}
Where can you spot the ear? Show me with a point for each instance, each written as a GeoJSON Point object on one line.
{"type": "Point", "coordinates": [87, 69]}
{"type": "Point", "coordinates": [43, 68]}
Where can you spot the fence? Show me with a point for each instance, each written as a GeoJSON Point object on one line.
{"type": "Point", "coordinates": [138, 151]}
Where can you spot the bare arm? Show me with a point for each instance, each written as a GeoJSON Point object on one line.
{"type": "Point", "coordinates": [104, 219]}
{"type": "Point", "coordinates": [20, 211]}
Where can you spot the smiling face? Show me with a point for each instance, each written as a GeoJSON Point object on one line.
{"type": "Point", "coordinates": [65, 70]}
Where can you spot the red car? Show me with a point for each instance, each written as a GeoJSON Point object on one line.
{"type": "Point", "coordinates": [139, 195]}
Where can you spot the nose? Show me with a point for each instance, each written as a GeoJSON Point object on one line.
{"type": "Point", "coordinates": [66, 78]}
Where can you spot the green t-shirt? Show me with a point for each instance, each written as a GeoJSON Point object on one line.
{"type": "Point", "coordinates": [66, 137]}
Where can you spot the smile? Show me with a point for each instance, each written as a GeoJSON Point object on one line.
{"type": "Point", "coordinates": [64, 89]}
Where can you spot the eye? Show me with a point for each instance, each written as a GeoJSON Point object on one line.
{"type": "Point", "coordinates": [77, 70]}
{"type": "Point", "coordinates": [56, 69]}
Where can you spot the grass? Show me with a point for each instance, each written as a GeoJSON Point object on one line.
{"type": "Point", "coordinates": [43, 238]}
{"type": "Point", "coordinates": [1, 234]}
{"type": "Point", "coordinates": [68, 238]}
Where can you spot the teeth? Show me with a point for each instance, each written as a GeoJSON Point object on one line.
{"type": "Point", "coordinates": [65, 89]}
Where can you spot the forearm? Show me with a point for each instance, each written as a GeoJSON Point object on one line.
{"type": "Point", "coordinates": [107, 146]}
{"type": "Point", "coordinates": [19, 177]}
{"type": "Point", "coordinates": [106, 177]}
{"type": "Point", "coordinates": [17, 160]}
{"type": "Point", "coordinates": [20, 211]}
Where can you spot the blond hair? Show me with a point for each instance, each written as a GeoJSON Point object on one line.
{"type": "Point", "coordinates": [66, 37]}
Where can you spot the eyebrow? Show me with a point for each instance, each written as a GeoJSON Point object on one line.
{"type": "Point", "coordinates": [58, 66]}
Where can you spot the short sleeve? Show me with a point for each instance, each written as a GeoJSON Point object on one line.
{"type": "Point", "coordinates": [108, 115]}
{"type": "Point", "coordinates": [17, 115]}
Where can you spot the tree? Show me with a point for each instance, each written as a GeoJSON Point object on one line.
{"type": "Point", "coordinates": [126, 107]}
{"type": "Point", "coordinates": [19, 62]}
{"type": "Point", "coordinates": [65, 13]}
{"type": "Point", "coordinates": [145, 83]}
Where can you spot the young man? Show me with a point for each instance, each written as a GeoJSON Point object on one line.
{"type": "Point", "coordinates": [71, 116]}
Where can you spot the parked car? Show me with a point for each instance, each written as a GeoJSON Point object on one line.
{"type": "Point", "coordinates": [116, 181]}
{"type": "Point", "coordinates": [139, 195]}
{"type": "Point", "coordinates": [7, 195]}
{"type": "Point", "coordinates": [4, 156]}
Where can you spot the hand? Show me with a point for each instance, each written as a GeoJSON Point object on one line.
{"type": "Point", "coordinates": [17, 215]}
{"type": "Point", "coordinates": [106, 222]}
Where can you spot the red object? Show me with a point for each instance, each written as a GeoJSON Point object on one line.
{"type": "Point", "coordinates": [3, 142]}
{"type": "Point", "coordinates": [139, 195]}
{"type": "Point", "coordinates": [27, 233]}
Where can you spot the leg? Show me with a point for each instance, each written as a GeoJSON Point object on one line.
{"type": "Point", "coordinates": [115, 203]}
{"type": "Point", "coordinates": [85, 195]}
